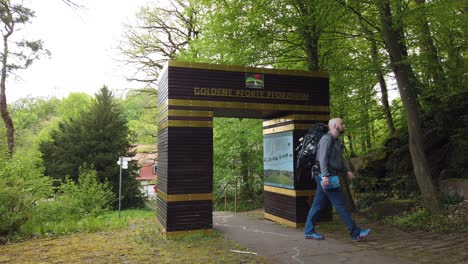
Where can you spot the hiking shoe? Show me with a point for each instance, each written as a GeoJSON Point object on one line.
{"type": "Point", "coordinates": [314, 236]}
{"type": "Point", "coordinates": [363, 234]}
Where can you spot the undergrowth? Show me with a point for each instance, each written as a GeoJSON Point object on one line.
{"type": "Point", "coordinates": [453, 217]}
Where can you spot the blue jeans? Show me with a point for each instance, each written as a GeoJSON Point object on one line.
{"type": "Point", "coordinates": [338, 201]}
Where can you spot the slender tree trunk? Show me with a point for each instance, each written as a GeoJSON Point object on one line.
{"type": "Point", "coordinates": [456, 64]}
{"type": "Point", "coordinates": [434, 71]}
{"type": "Point", "coordinates": [347, 193]}
{"type": "Point", "coordinates": [345, 186]}
{"type": "Point", "coordinates": [351, 145]}
{"type": "Point", "coordinates": [246, 190]}
{"type": "Point", "coordinates": [383, 88]}
{"type": "Point", "coordinates": [246, 186]}
{"type": "Point", "coordinates": [310, 35]}
{"type": "Point", "coordinates": [394, 41]}
{"type": "Point", "coordinates": [363, 144]}
{"type": "Point", "coordinates": [380, 77]}
{"type": "Point", "coordinates": [368, 137]}
{"type": "Point", "coordinates": [3, 101]}
{"type": "Point", "coordinates": [367, 122]}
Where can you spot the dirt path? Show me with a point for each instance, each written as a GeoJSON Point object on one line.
{"type": "Point", "coordinates": [385, 240]}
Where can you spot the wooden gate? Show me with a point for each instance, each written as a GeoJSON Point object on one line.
{"type": "Point", "coordinates": [190, 95]}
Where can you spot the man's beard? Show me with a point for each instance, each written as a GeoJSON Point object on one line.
{"type": "Point", "coordinates": [341, 131]}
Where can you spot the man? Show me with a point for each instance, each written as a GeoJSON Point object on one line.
{"type": "Point", "coordinates": [331, 161]}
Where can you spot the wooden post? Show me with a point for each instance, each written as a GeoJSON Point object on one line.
{"type": "Point", "coordinates": [235, 197]}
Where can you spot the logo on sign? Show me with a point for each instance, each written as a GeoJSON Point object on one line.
{"type": "Point", "coordinates": [254, 80]}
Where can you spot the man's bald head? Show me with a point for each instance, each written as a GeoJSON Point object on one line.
{"type": "Point", "coordinates": [336, 126]}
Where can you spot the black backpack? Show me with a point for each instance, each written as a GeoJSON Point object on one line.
{"type": "Point", "coordinates": [307, 149]}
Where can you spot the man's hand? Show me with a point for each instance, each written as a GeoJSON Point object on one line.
{"type": "Point", "coordinates": [350, 175]}
{"type": "Point", "coordinates": [325, 181]}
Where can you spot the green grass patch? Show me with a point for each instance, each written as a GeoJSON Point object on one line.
{"type": "Point", "coordinates": [104, 222]}
{"type": "Point", "coordinates": [136, 213]}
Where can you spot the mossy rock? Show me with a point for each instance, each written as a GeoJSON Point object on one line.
{"type": "Point", "coordinates": [380, 210]}
{"type": "Point", "coordinates": [373, 164]}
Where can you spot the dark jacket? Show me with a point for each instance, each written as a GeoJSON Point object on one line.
{"type": "Point", "coordinates": [330, 156]}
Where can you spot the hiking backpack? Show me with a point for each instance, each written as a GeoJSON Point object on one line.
{"type": "Point", "coordinates": [307, 149]}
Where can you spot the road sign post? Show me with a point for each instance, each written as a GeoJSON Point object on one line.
{"type": "Point", "coordinates": [123, 163]}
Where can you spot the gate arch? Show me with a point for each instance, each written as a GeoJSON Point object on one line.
{"type": "Point", "coordinates": [190, 95]}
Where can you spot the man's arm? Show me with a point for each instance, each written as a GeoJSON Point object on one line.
{"type": "Point", "coordinates": [322, 154]}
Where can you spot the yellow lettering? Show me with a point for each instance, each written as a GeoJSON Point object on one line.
{"type": "Point", "coordinates": [249, 93]}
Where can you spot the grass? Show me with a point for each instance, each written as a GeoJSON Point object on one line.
{"type": "Point", "coordinates": [134, 238]}
{"type": "Point", "coordinates": [104, 222]}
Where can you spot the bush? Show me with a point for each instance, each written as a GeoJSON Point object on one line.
{"type": "Point", "coordinates": [22, 186]}
{"type": "Point", "coordinates": [88, 197]}
{"type": "Point", "coordinates": [72, 206]}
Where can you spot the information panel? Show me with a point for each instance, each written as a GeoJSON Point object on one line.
{"type": "Point", "coordinates": [278, 160]}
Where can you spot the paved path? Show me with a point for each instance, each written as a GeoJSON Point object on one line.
{"type": "Point", "coordinates": [283, 244]}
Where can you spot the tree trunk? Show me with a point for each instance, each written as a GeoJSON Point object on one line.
{"type": "Point", "coordinates": [395, 44]}
{"type": "Point", "coordinates": [246, 191]}
{"type": "Point", "coordinates": [383, 88]}
{"type": "Point", "coordinates": [363, 144]}
{"type": "Point", "coordinates": [345, 188]}
{"type": "Point", "coordinates": [433, 69]}
{"type": "Point", "coordinates": [310, 35]}
{"type": "Point", "coordinates": [351, 145]}
{"type": "Point", "coordinates": [456, 64]}
{"type": "Point", "coordinates": [3, 102]}
{"type": "Point", "coordinates": [367, 128]}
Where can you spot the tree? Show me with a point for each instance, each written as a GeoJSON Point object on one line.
{"type": "Point", "coordinates": [237, 142]}
{"type": "Point", "coordinates": [20, 55]}
{"type": "Point", "coordinates": [160, 34]}
{"type": "Point", "coordinates": [433, 71]}
{"type": "Point", "coordinates": [142, 113]}
{"type": "Point", "coordinates": [395, 43]}
{"type": "Point", "coordinates": [97, 138]}
{"type": "Point", "coordinates": [380, 75]}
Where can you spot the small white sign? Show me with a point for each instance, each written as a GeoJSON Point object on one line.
{"type": "Point", "coordinates": [125, 161]}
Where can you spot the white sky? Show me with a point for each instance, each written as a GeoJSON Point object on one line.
{"type": "Point", "coordinates": [83, 45]}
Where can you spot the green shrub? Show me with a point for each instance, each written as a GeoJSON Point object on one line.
{"type": "Point", "coordinates": [22, 186]}
{"type": "Point", "coordinates": [88, 197]}
{"type": "Point", "coordinates": [72, 207]}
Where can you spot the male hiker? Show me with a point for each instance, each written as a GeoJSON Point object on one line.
{"type": "Point", "coordinates": [331, 162]}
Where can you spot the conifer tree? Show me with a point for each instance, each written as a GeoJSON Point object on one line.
{"type": "Point", "coordinates": [97, 138]}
